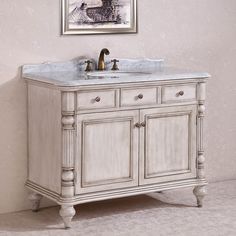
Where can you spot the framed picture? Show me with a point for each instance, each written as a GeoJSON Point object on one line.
{"type": "Point", "coordinates": [98, 16]}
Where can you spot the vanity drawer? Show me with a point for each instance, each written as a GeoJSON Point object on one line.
{"type": "Point", "coordinates": [138, 96]}
{"type": "Point", "coordinates": [99, 99]}
{"type": "Point", "coordinates": [178, 93]}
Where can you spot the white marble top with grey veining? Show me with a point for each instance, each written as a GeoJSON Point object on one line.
{"type": "Point", "coordinates": [72, 73]}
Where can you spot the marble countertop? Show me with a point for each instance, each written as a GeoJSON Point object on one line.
{"type": "Point", "coordinates": [72, 73]}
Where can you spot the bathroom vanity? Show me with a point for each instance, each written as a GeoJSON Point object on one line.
{"type": "Point", "coordinates": [101, 135]}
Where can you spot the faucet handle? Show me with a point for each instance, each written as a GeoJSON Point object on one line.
{"type": "Point", "coordinates": [89, 65]}
{"type": "Point", "coordinates": [115, 66]}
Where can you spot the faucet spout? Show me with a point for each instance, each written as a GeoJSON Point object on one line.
{"type": "Point", "coordinates": [101, 61]}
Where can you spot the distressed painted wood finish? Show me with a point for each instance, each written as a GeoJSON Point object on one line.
{"type": "Point", "coordinates": [200, 191]}
{"type": "Point", "coordinates": [200, 120]}
{"type": "Point", "coordinates": [82, 150]}
{"type": "Point", "coordinates": [35, 199]}
{"type": "Point", "coordinates": [178, 93]}
{"type": "Point", "coordinates": [44, 137]}
{"type": "Point", "coordinates": [68, 156]}
{"type": "Point", "coordinates": [97, 99]}
{"type": "Point", "coordinates": [68, 144]}
{"type": "Point", "coordinates": [108, 151]}
{"type": "Point", "coordinates": [138, 96]}
{"type": "Point", "coordinates": [168, 144]}
{"type": "Point", "coordinates": [67, 213]}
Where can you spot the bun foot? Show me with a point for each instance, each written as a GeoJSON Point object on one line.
{"type": "Point", "coordinates": [67, 213]}
{"type": "Point", "coordinates": [35, 199]}
{"type": "Point", "coordinates": [200, 192]}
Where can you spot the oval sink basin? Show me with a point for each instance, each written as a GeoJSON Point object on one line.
{"type": "Point", "coordinates": [115, 74]}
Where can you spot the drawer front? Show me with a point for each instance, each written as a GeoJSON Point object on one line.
{"type": "Point", "coordinates": [139, 96]}
{"type": "Point", "coordinates": [178, 93]}
{"type": "Point", "coordinates": [99, 99]}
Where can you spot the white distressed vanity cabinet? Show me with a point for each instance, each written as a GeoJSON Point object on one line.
{"type": "Point", "coordinates": [95, 138]}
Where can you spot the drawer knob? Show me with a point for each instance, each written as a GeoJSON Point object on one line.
{"type": "Point", "coordinates": [97, 99]}
{"type": "Point", "coordinates": [181, 93]}
{"type": "Point", "coordinates": [140, 96]}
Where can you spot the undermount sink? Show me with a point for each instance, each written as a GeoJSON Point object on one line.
{"type": "Point", "coordinates": [115, 74]}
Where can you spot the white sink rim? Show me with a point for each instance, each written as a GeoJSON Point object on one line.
{"type": "Point", "coordinates": [116, 74]}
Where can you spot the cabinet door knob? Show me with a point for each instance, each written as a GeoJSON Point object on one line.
{"type": "Point", "coordinates": [140, 96]}
{"type": "Point", "coordinates": [137, 125]}
{"type": "Point", "coordinates": [143, 124]}
{"type": "Point", "coordinates": [181, 93]}
{"type": "Point", "coordinates": [97, 99]}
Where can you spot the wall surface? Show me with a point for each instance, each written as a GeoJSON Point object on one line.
{"type": "Point", "coordinates": [197, 34]}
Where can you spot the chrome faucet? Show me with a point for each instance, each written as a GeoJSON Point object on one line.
{"type": "Point", "coordinates": [101, 62]}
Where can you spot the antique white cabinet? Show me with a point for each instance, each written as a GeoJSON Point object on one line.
{"type": "Point", "coordinates": [97, 139]}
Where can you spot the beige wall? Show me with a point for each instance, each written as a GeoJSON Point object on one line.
{"type": "Point", "coordinates": [197, 34]}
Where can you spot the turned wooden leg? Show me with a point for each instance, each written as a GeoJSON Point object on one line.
{"type": "Point", "coordinates": [67, 213]}
{"type": "Point", "coordinates": [35, 199]}
{"type": "Point", "coordinates": [200, 192]}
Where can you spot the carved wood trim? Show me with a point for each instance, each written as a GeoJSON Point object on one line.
{"type": "Point", "coordinates": [68, 144]}
{"type": "Point", "coordinates": [117, 85]}
{"type": "Point", "coordinates": [109, 194]}
{"type": "Point", "coordinates": [200, 122]}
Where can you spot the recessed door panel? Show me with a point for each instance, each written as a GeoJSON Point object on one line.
{"type": "Point", "coordinates": [168, 146]}
{"type": "Point", "coordinates": [108, 151]}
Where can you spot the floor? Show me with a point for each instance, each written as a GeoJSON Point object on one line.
{"type": "Point", "coordinates": [169, 213]}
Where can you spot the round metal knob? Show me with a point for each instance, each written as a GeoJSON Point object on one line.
{"type": "Point", "coordinates": [143, 124]}
{"type": "Point", "coordinates": [137, 125]}
{"type": "Point", "coordinates": [97, 99]}
{"type": "Point", "coordinates": [140, 96]}
{"type": "Point", "coordinates": [181, 93]}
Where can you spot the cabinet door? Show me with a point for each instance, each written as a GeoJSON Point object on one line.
{"type": "Point", "coordinates": [107, 151]}
{"type": "Point", "coordinates": [168, 144]}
